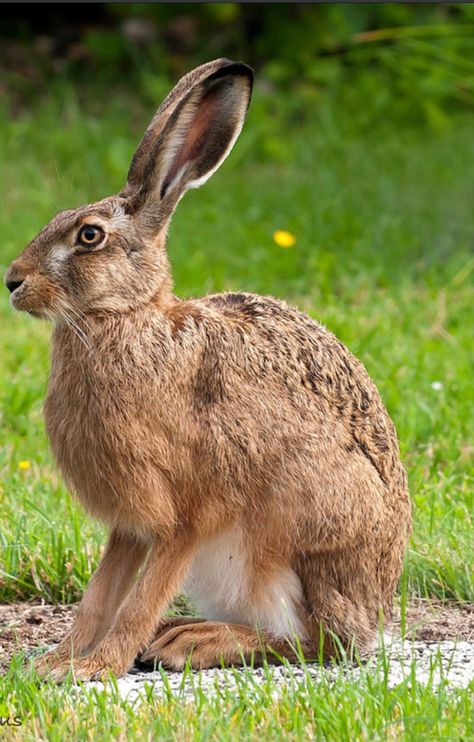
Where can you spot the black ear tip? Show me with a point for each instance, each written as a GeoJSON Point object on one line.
{"type": "Point", "coordinates": [246, 70]}
{"type": "Point", "coordinates": [239, 69]}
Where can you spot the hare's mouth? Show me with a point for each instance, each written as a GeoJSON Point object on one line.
{"type": "Point", "coordinates": [35, 296]}
{"type": "Point", "coordinates": [22, 301]}
{"type": "Point", "coordinates": [17, 295]}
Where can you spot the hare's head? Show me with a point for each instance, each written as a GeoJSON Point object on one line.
{"type": "Point", "coordinates": [110, 256]}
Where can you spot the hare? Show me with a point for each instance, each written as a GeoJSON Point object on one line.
{"type": "Point", "coordinates": [234, 447]}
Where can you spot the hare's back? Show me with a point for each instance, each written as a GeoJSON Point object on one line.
{"type": "Point", "coordinates": [279, 345]}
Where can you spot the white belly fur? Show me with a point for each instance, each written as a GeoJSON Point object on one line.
{"type": "Point", "coordinates": [220, 584]}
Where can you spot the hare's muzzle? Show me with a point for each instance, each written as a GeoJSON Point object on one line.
{"type": "Point", "coordinates": [30, 292]}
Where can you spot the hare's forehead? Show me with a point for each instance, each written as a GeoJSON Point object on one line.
{"type": "Point", "coordinates": [107, 213]}
{"type": "Point", "coordinates": [61, 224]}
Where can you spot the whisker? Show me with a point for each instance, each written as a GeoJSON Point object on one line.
{"type": "Point", "coordinates": [79, 314]}
{"type": "Point", "coordinates": [80, 333]}
{"type": "Point", "coordinates": [72, 324]}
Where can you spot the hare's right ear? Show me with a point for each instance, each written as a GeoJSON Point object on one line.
{"type": "Point", "coordinates": [190, 135]}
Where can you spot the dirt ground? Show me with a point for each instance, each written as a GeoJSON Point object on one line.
{"type": "Point", "coordinates": [26, 626]}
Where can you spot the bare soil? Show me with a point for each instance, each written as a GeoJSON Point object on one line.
{"type": "Point", "coordinates": [26, 626]}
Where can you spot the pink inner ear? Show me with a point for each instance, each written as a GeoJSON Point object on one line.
{"type": "Point", "coordinates": [196, 134]}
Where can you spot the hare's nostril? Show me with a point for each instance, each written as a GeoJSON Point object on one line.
{"type": "Point", "coordinates": [12, 285]}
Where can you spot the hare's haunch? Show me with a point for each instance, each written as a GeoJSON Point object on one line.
{"type": "Point", "coordinates": [233, 445]}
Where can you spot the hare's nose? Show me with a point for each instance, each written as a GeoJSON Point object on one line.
{"type": "Point", "coordinates": [13, 285]}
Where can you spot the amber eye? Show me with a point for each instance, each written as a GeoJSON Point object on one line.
{"type": "Point", "coordinates": [90, 235]}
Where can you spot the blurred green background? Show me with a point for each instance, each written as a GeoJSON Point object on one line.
{"type": "Point", "coordinates": [407, 60]}
{"type": "Point", "coordinates": [359, 142]}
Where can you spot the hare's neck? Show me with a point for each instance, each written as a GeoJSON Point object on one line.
{"type": "Point", "coordinates": [96, 343]}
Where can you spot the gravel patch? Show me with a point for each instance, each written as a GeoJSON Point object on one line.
{"type": "Point", "coordinates": [439, 638]}
{"type": "Point", "coordinates": [449, 662]}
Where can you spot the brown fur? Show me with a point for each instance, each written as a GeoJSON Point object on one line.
{"type": "Point", "coordinates": [229, 438]}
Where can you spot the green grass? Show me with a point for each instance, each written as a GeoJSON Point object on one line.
{"type": "Point", "coordinates": [334, 707]}
{"type": "Point", "coordinates": [385, 226]}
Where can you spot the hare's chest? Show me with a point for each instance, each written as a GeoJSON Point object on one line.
{"type": "Point", "coordinates": [81, 414]}
{"type": "Point", "coordinates": [108, 449]}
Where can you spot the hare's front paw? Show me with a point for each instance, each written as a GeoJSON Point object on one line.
{"type": "Point", "coordinates": [59, 655]}
{"type": "Point", "coordinates": [53, 658]}
{"type": "Point", "coordinates": [95, 666]}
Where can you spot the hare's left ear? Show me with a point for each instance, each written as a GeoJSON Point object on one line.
{"type": "Point", "coordinates": [191, 134]}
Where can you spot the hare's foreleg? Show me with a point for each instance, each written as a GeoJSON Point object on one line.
{"type": "Point", "coordinates": [212, 644]}
{"type": "Point", "coordinates": [136, 620]}
{"type": "Point", "coordinates": [107, 588]}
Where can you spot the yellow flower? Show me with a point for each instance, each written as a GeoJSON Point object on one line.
{"type": "Point", "coordinates": [284, 238]}
{"type": "Point", "coordinates": [24, 465]}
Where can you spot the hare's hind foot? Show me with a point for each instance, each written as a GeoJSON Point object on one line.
{"type": "Point", "coordinates": [213, 644]}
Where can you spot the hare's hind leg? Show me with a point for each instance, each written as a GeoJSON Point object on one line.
{"type": "Point", "coordinates": [164, 625]}
{"type": "Point", "coordinates": [345, 600]}
{"type": "Point", "coordinates": [212, 644]}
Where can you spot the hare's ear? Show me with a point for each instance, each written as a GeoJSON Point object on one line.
{"type": "Point", "coordinates": [190, 135]}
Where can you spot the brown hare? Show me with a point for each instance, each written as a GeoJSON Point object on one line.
{"type": "Point", "coordinates": [235, 448]}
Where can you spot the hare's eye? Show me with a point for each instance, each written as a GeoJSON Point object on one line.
{"type": "Point", "coordinates": [90, 235]}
